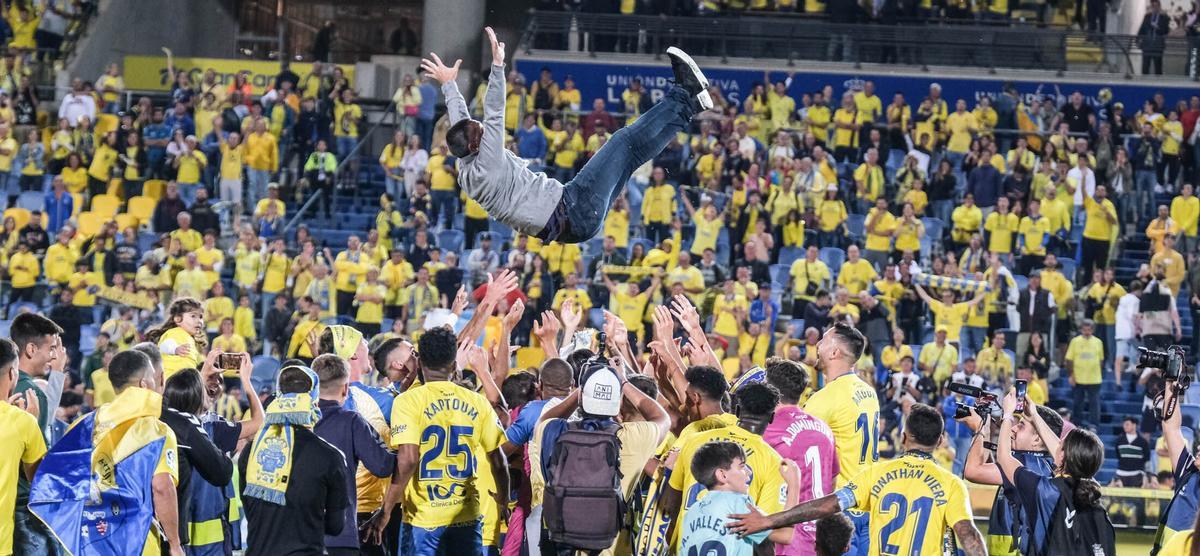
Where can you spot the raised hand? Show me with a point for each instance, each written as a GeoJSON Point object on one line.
{"type": "Point", "coordinates": [499, 286]}
{"type": "Point", "coordinates": [460, 301]}
{"type": "Point", "coordinates": [497, 47]}
{"type": "Point", "coordinates": [548, 328]}
{"type": "Point", "coordinates": [688, 316]}
{"type": "Point", "coordinates": [664, 325]}
{"type": "Point", "coordinates": [571, 316]}
{"type": "Point", "coordinates": [438, 71]}
{"type": "Point", "coordinates": [515, 312]}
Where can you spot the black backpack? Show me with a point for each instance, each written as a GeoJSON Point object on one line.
{"type": "Point", "coordinates": [1078, 532]}
{"type": "Point", "coordinates": [583, 506]}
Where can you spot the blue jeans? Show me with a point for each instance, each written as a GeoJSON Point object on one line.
{"type": "Point", "coordinates": [1144, 182]}
{"type": "Point", "coordinates": [258, 180]}
{"type": "Point", "coordinates": [345, 144]}
{"type": "Point", "coordinates": [443, 207]}
{"type": "Point", "coordinates": [187, 192]}
{"type": "Point", "coordinates": [587, 198]}
{"type": "Point", "coordinates": [268, 301]}
{"type": "Point", "coordinates": [961, 446]}
{"type": "Point", "coordinates": [449, 541]}
{"type": "Point", "coordinates": [1087, 398]}
{"type": "Point", "coordinates": [424, 128]}
{"type": "Point", "coordinates": [973, 337]}
{"type": "Point", "coordinates": [395, 188]}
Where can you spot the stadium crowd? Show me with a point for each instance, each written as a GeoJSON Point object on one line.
{"type": "Point", "coordinates": [809, 248]}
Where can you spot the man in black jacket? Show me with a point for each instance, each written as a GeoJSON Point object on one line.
{"type": "Point", "coordinates": [167, 210]}
{"type": "Point", "coordinates": [1152, 37]}
{"type": "Point", "coordinates": [204, 218]}
{"type": "Point", "coordinates": [275, 326]}
{"type": "Point", "coordinates": [1036, 307]}
{"type": "Point", "coordinates": [316, 495]}
{"type": "Point", "coordinates": [347, 431]}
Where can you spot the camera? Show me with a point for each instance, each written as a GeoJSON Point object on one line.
{"type": "Point", "coordinates": [1171, 361]}
{"type": "Point", "coordinates": [985, 402]}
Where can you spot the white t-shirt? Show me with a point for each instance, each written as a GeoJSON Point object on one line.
{"type": "Point", "coordinates": [1082, 183]}
{"type": "Point", "coordinates": [1127, 309]}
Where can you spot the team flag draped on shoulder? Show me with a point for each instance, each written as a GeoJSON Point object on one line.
{"type": "Point", "coordinates": [94, 488]}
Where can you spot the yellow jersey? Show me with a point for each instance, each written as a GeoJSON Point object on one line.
{"type": "Point", "coordinates": [767, 488]}
{"type": "Point", "coordinates": [856, 276]}
{"type": "Point", "coordinates": [172, 339]}
{"type": "Point", "coordinates": [803, 273]}
{"type": "Point", "coordinates": [851, 409]}
{"type": "Point", "coordinates": [879, 238]}
{"type": "Point", "coordinates": [1186, 211]}
{"type": "Point", "coordinates": [1097, 225]}
{"type": "Point", "coordinates": [232, 159]}
{"type": "Point", "coordinates": [1032, 234]}
{"type": "Point", "coordinates": [953, 316]}
{"type": "Point", "coordinates": [1002, 228]}
{"type": "Point", "coordinates": [453, 428]}
{"type": "Point", "coordinates": [631, 309]}
{"type": "Point", "coordinates": [911, 500]}
{"type": "Point", "coordinates": [1086, 356]}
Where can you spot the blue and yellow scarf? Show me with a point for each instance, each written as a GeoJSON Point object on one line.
{"type": "Point", "coordinates": [270, 465]}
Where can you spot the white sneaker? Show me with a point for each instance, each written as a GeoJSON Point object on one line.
{"type": "Point", "coordinates": [689, 76]}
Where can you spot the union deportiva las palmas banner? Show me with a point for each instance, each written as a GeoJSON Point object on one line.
{"type": "Point", "coordinates": [149, 73]}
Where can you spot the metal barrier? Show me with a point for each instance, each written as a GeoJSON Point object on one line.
{"type": "Point", "coordinates": [792, 37]}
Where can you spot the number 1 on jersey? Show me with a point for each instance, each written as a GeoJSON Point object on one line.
{"type": "Point", "coordinates": [869, 427]}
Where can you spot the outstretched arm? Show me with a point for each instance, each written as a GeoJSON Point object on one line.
{"type": "Point", "coordinates": [492, 144]}
{"type": "Point", "coordinates": [970, 540]}
{"type": "Point", "coordinates": [436, 70]}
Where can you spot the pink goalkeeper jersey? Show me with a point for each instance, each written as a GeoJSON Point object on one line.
{"type": "Point", "coordinates": [807, 441]}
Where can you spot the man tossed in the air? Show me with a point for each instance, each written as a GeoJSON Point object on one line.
{"type": "Point", "coordinates": [534, 203]}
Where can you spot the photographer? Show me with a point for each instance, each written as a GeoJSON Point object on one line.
{"type": "Point", "coordinates": [1071, 491]}
{"type": "Point", "coordinates": [1009, 527]}
{"type": "Point", "coordinates": [1160, 317]}
{"type": "Point", "coordinates": [1181, 511]}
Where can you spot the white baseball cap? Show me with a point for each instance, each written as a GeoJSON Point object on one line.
{"type": "Point", "coordinates": [600, 394]}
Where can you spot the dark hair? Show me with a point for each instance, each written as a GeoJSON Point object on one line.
{"type": "Point", "coordinates": [924, 424]}
{"type": "Point", "coordinates": [519, 388]}
{"type": "Point", "coordinates": [833, 535]}
{"type": "Point", "coordinates": [150, 350]}
{"type": "Point", "coordinates": [438, 348]}
{"type": "Point", "coordinates": [788, 377]}
{"type": "Point", "coordinates": [757, 399]}
{"type": "Point", "coordinates": [8, 352]}
{"type": "Point", "coordinates": [331, 370]}
{"type": "Point", "coordinates": [645, 384]}
{"type": "Point", "coordinates": [709, 381]}
{"type": "Point", "coordinates": [711, 457]}
{"type": "Point", "coordinates": [31, 328]}
{"type": "Point", "coordinates": [325, 343]}
{"type": "Point", "coordinates": [292, 380]}
{"type": "Point", "coordinates": [379, 355]}
{"type": "Point", "coordinates": [851, 338]}
{"type": "Point", "coordinates": [178, 307]}
{"type": "Point", "coordinates": [578, 359]}
{"type": "Point", "coordinates": [1052, 419]}
{"type": "Point", "coordinates": [458, 138]}
{"type": "Point", "coordinates": [127, 367]}
{"type": "Point", "coordinates": [69, 399]}
{"type": "Point", "coordinates": [556, 374]}
{"type": "Point", "coordinates": [1083, 454]}
{"type": "Point", "coordinates": [184, 392]}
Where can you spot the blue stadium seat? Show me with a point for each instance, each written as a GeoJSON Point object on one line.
{"type": "Point", "coordinates": [789, 255]}
{"type": "Point", "coordinates": [1022, 281]}
{"type": "Point", "coordinates": [856, 224]}
{"type": "Point", "coordinates": [779, 275]}
{"type": "Point", "coordinates": [799, 324]}
{"type": "Point", "coordinates": [1067, 267]}
{"type": "Point", "coordinates": [31, 200]}
{"type": "Point", "coordinates": [451, 240]}
{"type": "Point", "coordinates": [833, 257]}
{"type": "Point", "coordinates": [502, 230]}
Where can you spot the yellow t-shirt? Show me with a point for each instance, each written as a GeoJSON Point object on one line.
{"type": "Point", "coordinates": [1109, 296]}
{"type": "Point", "coordinates": [943, 360]}
{"type": "Point", "coordinates": [631, 308]}
{"type": "Point", "coordinates": [215, 310]}
{"type": "Point", "coordinates": [247, 263]}
{"type": "Point", "coordinates": [856, 276]}
{"type": "Point", "coordinates": [210, 257]}
{"type": "Point", "coordinates": [275, 274]}
{"type": "Point", "coordinates": [851, 409]}
{"type": "Point", "coordinates": [843, 137]}
{"type": "Point", "coordinates": [172, 363]}
{"type": "Point", "coordinates": [890, 356]}
{"type": "Point", "coordinates": [24, 444]}
{"type": "Point", "coordinates": [617, 226]}
{"type": "Point", "coordinates": [818, 121]}
{"type": "Point", "coordinates": [908, 234]}
{"type": "Point", "coordinates": [723, 309]}
{"type": "Point", "coordinates": [966, 221]}
{"type": "Point", "coordinates": [959, 126]}
{"type": "Point", "coordinates": [1097, 226]}
{"type": "Point", "coordinates": [577, 295]}
{"type": "Point", "coordinates": [454, 428]}
{"type": "Point", "coordinates": [243, 323]}
{"type": "Point", "coordinates": [59, 263]}
{"type": "Point", "coordinates": [439, 178]}
{"type": "Point", "coordinates": [804, 272]}
{"type": "Point", "coordinates": [911, 501]}
{"type": "Point", "coordinates": [869, 106]}
{"type": "Point", "coordinates": [1186, 211]}
{"type": "Point", "coordinates": [952, 316]}
{"type": "Point", "coordinates": [345, 117]}
{"type": "Point", "coordinates": [1033, 233]}
{"type": "Point", "coordinates": [706, 234]}
{"type": "Point", "coordinates": [76, 179]}
{"type": "Point", "coordinates": [369, 311]}
{"type": "Point", "coordinates": [767, 488]}
{"type": "Point", "coordinates": [1002, 228]}
{"type": "Point", "coordinates": [830, 213]}
{"type": "Point", "coordinates": [190, 166]}
{"type": "Point", "coordinates": [1087, 356]}
{"type": "Point", "coordinates": [871, 180]}
{"type": "Point", "coordinates": [880, 239]}
{"type": "Point", "coordinates": [100, 168]}
{"type": "Point", "coordinates": [232, 159]}
{"type": "Point", "coordinates": [235, 343]}
{"type": "Point", "coordinates": [1172, 136]}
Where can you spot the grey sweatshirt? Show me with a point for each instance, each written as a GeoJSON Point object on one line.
{"type": "Point", "coordinates": [495, 177]}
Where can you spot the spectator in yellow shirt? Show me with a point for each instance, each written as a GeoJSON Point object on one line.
{"type": "Point", "coordinates": [869, 180]}
{"type": "Point", "coordinates": [856, 273]}
{"type": "Point", "coordinates": [658, 206]}
{"type": "Point", "coordinates": [629, 302]}
{"type": "Point", "coordinates": [949, 314]}
{"type": "Point", "coordinates": [571, 290]}
{"type": "Point", "coordinates": [1185, 209]}
{"type": "Point", "coordinates": [370, 298]}
{"type": "Point", "coordinates": [1169, 263]}
{"type": "Point", "coordinates": [831, 218]}
{"type": "Point", "coordinates": [1098, 230]}
{"type": "Point", "coordinates": [262, 159]}
{"type": "Point", "coordinates": [908, 232]}
{"type": "Point", "coordinates": [809, 275]}
{"type": "Point", "coordinates": [1001, 228]}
